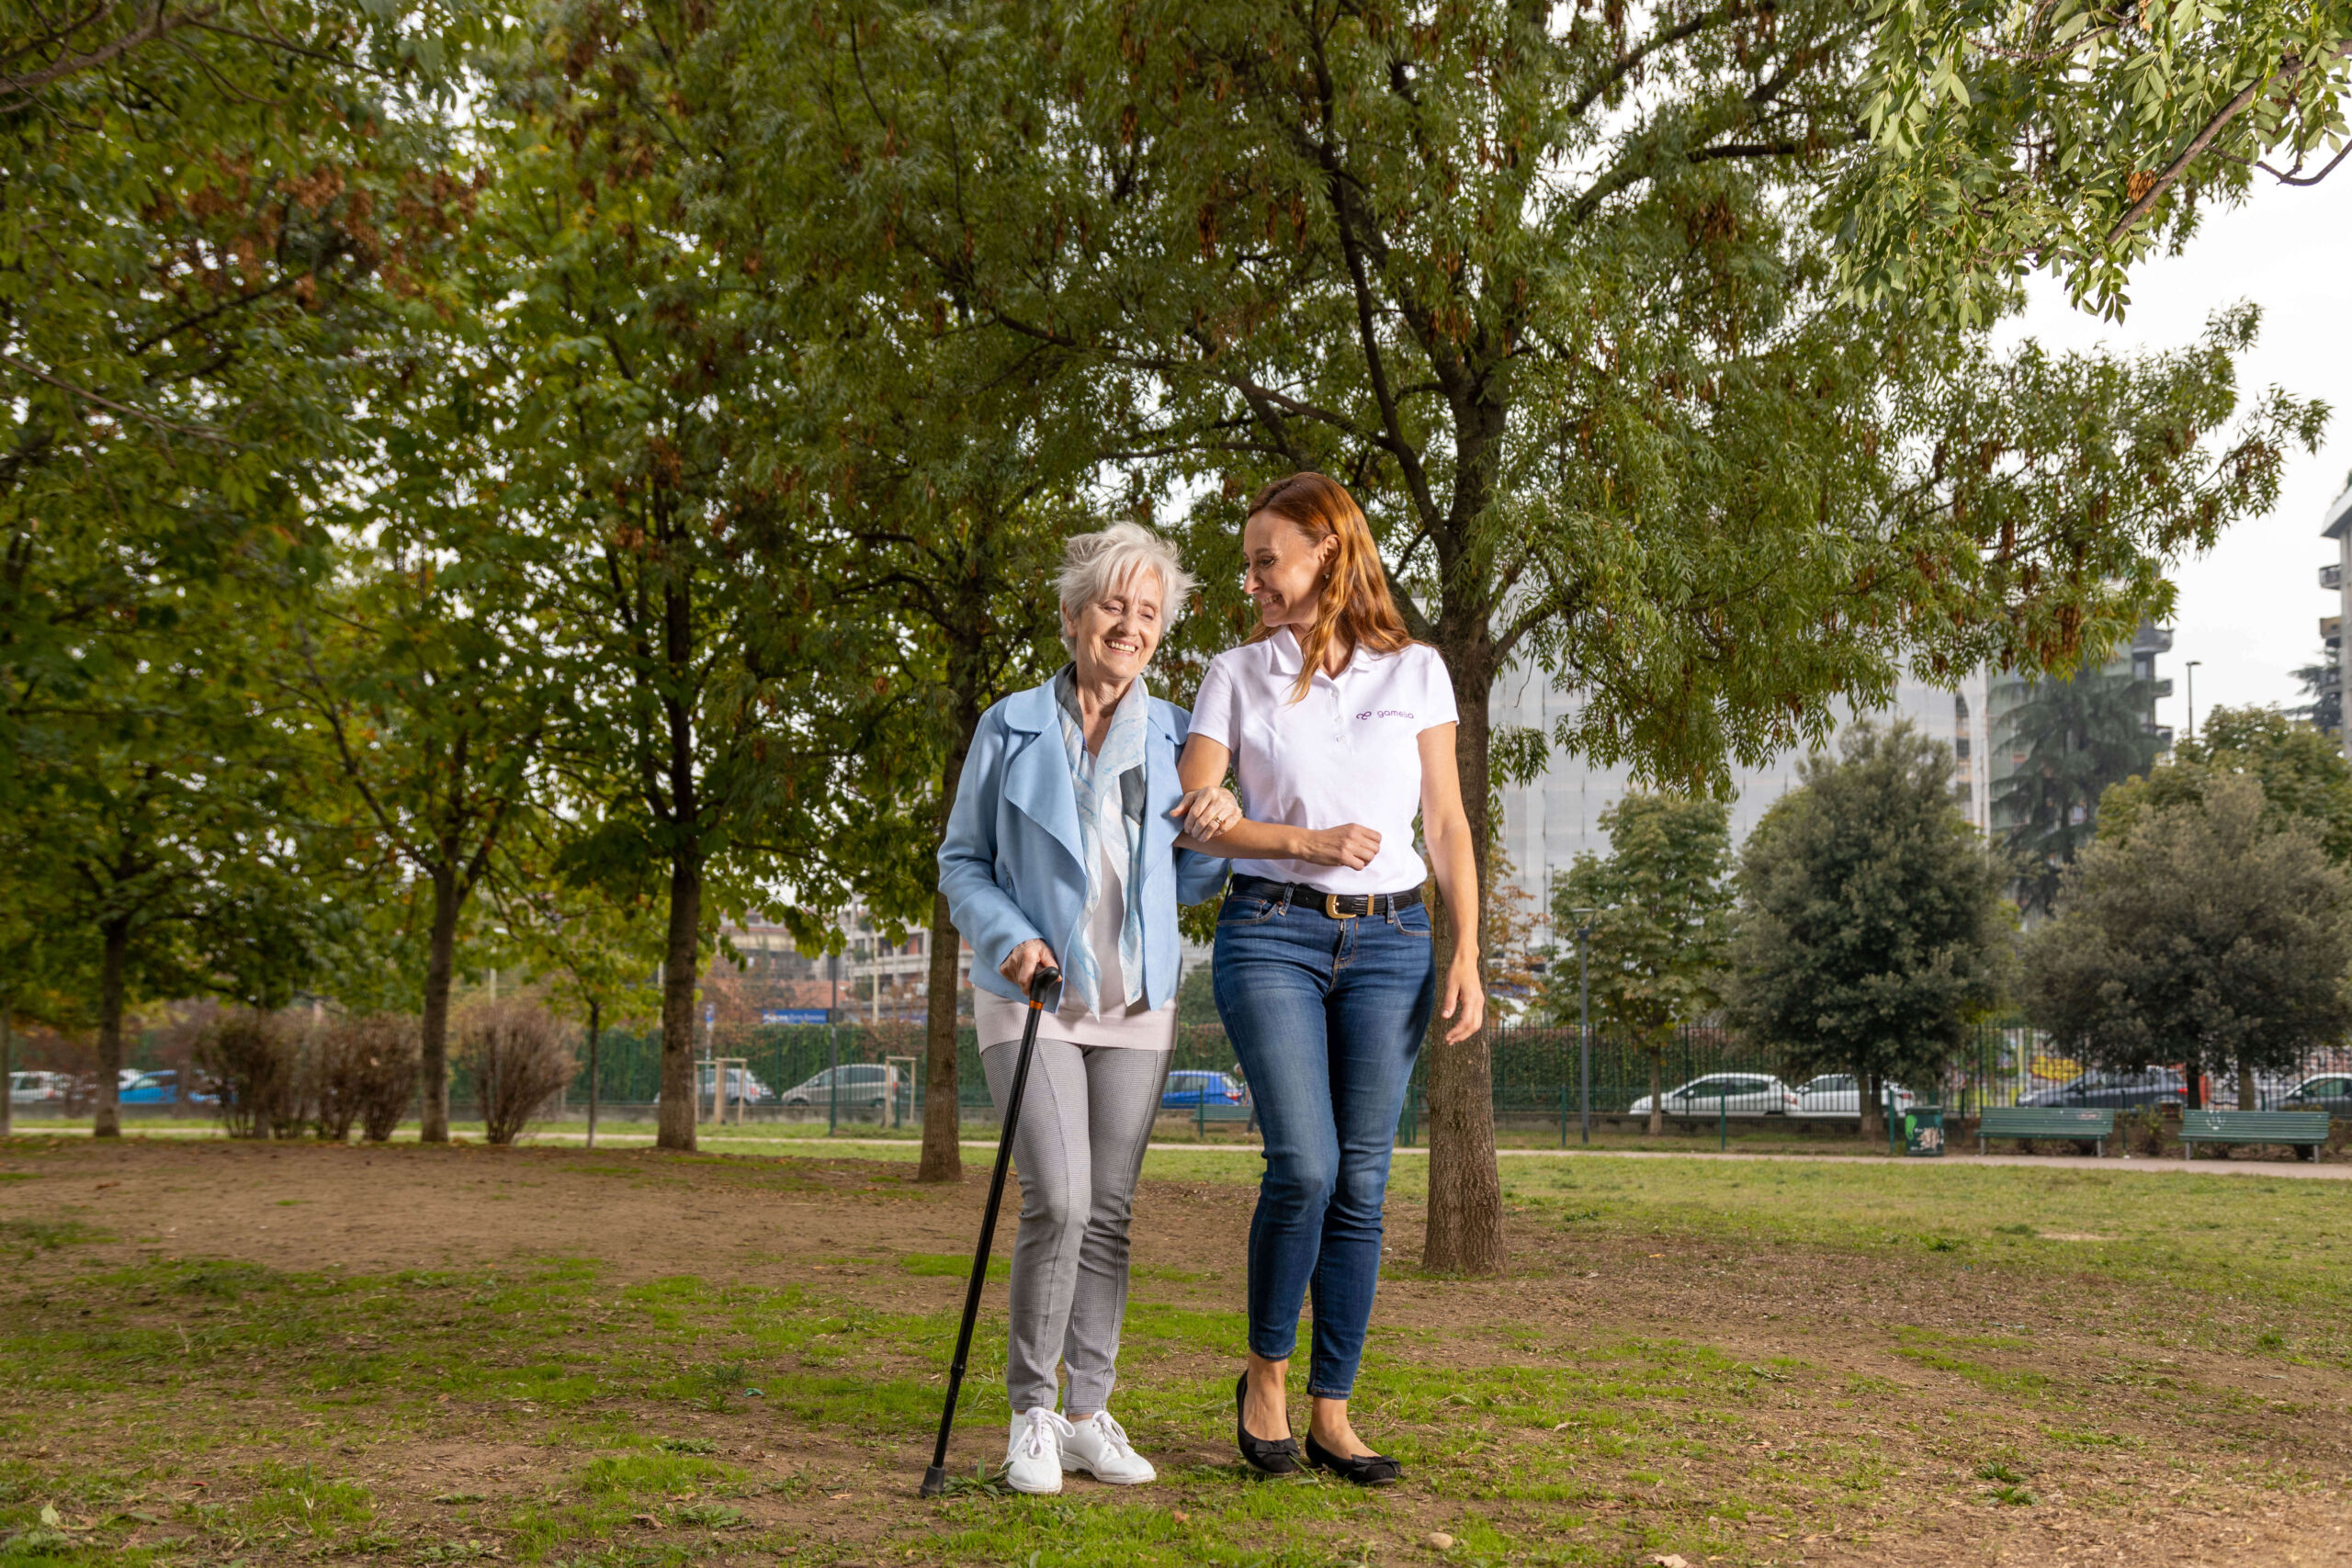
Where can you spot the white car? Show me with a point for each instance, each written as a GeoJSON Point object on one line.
{"type": "Point", "coordinates": [38, 1088]}
{"type": "Point", "coordinates": [1729, 1094]}
{"type": "Point", "coordinates": [741, 1084]}
{"type": "Point", "coordinates": [862, 1084]}
{"type": "Point", "coordinates": [1834, 1094]}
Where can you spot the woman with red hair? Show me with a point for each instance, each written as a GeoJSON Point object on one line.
{"type": "Point", "coordinates": [1339, 728]}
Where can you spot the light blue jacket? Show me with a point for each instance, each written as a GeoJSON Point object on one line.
{"type": "Point", "coordinates": [1010, 863]}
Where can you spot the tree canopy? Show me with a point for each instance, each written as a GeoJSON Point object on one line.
{"type": "Point", "coordinates": [2207, 937]}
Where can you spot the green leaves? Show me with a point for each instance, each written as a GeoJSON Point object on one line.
{"type": "Point", "coordinates": [1872, 929]}
{"type": "Point", "coordinates": [2074, 139]}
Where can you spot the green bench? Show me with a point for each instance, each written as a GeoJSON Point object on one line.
{"type": "Point", "coordinates": [2027, 1121]}
{"type": "Point", "coordinates": [2305, 1131]}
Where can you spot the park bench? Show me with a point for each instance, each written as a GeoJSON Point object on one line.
{"type": "Point", "coordinates": [2305, 1131]}
{"type": "Point", "coordinates": [2027, 1121]}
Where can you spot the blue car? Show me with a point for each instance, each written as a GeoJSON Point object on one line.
{"type": "Point", "coordinates": [1191, 1088]}
{"type": "Point", "coordinates": [161, 1087]}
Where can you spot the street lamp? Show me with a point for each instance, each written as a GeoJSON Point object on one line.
{"type": "Point", "coordinates": [2192, 696]}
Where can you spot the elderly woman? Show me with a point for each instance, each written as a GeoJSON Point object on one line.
{"type": "Point", "coordinates": [1063, 850]}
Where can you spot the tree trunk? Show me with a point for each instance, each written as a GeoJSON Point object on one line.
{"type": "Point", "coordinates": [105, 1119]}
{"type": "Point", "coordinates": [440, 963]}
{"type": "Point", "coordinates": [2192, 1074]}
{"type": "Point", "coordinates": [677, 1130]}
{"type": "Point", "coordinates": [595, 1033]}
{"type": "Point", "coordinates": [1466, 1198]}
{"type": "Point", "coordinates": [2249, 1097]}
{"type": "Point", "coordinates": [1868, 1088]}
{"type": "Point", "coordinates": [943, 1111]}
{"type": "Point", "coordinates": [1657, 1089]}
{"type": "Point", "coordinates": [8, 1064]}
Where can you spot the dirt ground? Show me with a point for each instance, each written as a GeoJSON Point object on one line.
{"type": "Point", "coordinates": [2140, 1448]}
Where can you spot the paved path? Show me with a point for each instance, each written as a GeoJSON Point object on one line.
{"type": "Point", "coordinates": [2204, 1166]}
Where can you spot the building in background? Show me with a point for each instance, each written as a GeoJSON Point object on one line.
{"type": "Point", "coordinates": [1548, 823]}
{"type": "Point", "coordinates": [2335, 577]}
{"type": "Point", "coordinates": [879, 979]}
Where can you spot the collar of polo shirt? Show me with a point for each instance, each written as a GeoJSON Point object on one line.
{"type": "Point", "coordinates": [1287, 654]}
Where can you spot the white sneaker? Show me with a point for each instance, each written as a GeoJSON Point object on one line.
{"type": "Point", "coordinates": [1032, 1459]}
{"type": "Point", "coordinates": [1099, 1446]}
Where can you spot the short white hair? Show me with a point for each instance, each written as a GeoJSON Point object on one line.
{"type": "Point", "coordinates": [1095, 566]}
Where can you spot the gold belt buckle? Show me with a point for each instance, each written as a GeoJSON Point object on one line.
{"type": "Point", "coordinates": [1331, 908]}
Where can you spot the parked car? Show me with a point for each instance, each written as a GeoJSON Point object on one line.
{"type": "Point", "coordinates": [162, 1087]}
{"type": "Point", "coordinates": [1734, 1094]}
{"type": "Point", "coordinates": [741, 1084]}
{"type": "Point", "coordinates": [1835, 1094]}
{"type": "Point", "coordinates": [39, 1089]}
{"type": "Point", "coordinates": [2331, 1093]}
{"type": "Point", "coordinates": [862, 1084]}
{"type": "Point", "coordinates": [1190, 1088]}
{"type": "Point", "coordinates": [2121, 1091]}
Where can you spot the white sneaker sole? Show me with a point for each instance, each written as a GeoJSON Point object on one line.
{"type": "Point", "coordinates": [1035, 1490]}
{"type": "Point", "coordinates": [1075, 1467]}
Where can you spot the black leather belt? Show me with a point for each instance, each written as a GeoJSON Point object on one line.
{"type": "Point", "coordinates": [1338, 906]}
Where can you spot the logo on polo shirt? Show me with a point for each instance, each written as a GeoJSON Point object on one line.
{"type": "Point", "coordinates": [1385, 713]}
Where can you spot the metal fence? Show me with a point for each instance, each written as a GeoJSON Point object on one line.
{"type": "Point", "coordinates": [1536, 1069]}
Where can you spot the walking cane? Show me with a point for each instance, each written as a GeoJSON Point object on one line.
{"type": "Point", "coordinates": [935, 1480]}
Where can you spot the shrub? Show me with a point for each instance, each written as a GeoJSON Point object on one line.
{"type": "Point", "coordinates": [364, 1071]}
{"type": "Point", "coordinates": [254, 1061]}
{"type": "Point", "coordinates": [520, 1057]}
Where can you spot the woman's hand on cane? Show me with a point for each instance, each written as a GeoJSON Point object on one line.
{"type": "Point", "coordinates": [1021, 965]}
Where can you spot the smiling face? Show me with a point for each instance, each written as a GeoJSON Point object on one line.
{"type": "Point", "coordinates": [1285, 568]}
{"type": "Point", "coordinates": [1113, 638]}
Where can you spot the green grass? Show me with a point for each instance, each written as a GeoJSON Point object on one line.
{"type": "Point", "coordinates": [1559, 1436]}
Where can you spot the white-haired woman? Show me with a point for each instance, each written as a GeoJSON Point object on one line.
{"type": "Point", "coordinates": [1061, 850]}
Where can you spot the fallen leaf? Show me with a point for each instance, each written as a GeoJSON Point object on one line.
{"type": "Point", "coordinates": [1440, 1541]}
{"type": "Point", "coordinates": [648, 1520]}
{"type": "Point", "coordinates": [1182, 1518]}
{"type": "Point", "coordinates": [1670, 1560]}
{"type": "Point", "coordinates": [48, 1516]}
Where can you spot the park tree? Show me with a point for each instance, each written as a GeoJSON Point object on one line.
{"type": "Point", "coordinates": [2078, 736]}
{"type": "Point", "coordinates": [2305, 777]}
{"type": "Point", "coordinates": [718, 718]}
{"type": "Point", "coordinates": [1658, 910]}
{"type": "Point", "coordinates": [420, 676]}
{"type": "Point", "coordinates": [2211, 935]}
{"type": "Point", "coordinates": [1873, 931]}
{"type": "Point", "coordinates": [2076, 139]}
{"type": "Point", "coordinates": [156, 842]}
{"type": "Point", "coordinates": [1547, 290]}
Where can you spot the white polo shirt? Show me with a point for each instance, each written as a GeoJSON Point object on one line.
{"type": "Point", "coordinates": [1347, 751]}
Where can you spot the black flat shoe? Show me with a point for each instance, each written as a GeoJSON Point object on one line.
{"type": "Point", "coordinates": [1364, 1470]}
{"type": "Point", "coordinates": [1277, 1458]}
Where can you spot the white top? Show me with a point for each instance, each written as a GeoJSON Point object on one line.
{"type": "Point", "coordinates": [999, 1018]}
{"type": "Point", "coordinates": [1347, 751]}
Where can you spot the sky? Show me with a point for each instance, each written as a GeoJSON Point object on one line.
{"type": "Point", "coordinates": [2249, 608]}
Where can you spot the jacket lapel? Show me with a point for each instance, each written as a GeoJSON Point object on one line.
{"type": "Point", "coordinates": [1036, 776]}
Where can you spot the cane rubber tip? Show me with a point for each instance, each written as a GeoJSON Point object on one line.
{"type": "Point", "coordinates": [935, 1481]}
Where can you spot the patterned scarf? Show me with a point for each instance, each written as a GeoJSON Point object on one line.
{"type": "Point", "coordinates": [1110, 788]}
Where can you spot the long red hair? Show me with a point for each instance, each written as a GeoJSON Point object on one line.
{"type": "Point", "coordinates": [1354, 607]}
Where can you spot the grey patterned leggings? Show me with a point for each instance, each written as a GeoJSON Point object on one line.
{"type": "Point", "coordinates": [1085, 1120]}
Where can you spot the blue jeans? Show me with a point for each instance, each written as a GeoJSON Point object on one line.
{"type": "Point", "coordinates": [1325, 1017]}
